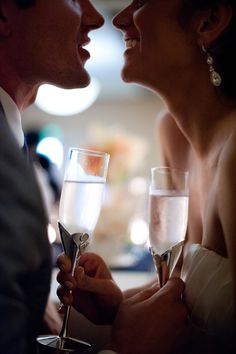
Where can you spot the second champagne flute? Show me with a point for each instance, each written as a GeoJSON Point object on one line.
{"type": "Point", "coordinates": [168, 215]}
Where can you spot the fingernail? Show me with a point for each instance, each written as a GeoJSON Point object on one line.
{"type": "Point", "coordinates": [80, 273]}
{"type": "Point", "coordinates": [62, 267]}
{"type": "Point", "coordinates": [69, 285]}
{"type": "Point", "coordinates": [65, 300]}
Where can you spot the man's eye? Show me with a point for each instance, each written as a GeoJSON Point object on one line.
{"type": "Point", "coordinates": [140, 3]}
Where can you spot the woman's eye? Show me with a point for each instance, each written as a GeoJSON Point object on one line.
{"type": "Point", "coordinates": [76, 3]}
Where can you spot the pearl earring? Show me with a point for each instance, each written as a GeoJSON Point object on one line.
{"type": "Point", "coordinates": [214, 76]}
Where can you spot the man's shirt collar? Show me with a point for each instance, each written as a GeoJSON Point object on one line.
{"type": "Point", "coordinates": [13, 116]}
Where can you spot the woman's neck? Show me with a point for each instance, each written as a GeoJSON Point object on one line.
{"type": "Point", "coordinates": [205, 122]}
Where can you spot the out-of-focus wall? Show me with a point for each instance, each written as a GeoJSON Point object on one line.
{"type": "Point", "coordinates": [135, 116]}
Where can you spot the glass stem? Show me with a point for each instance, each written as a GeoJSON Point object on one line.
{"type": "Point", "coordinates": [158, 265]}
{"type": "Point", "coordinates": [64, 330]}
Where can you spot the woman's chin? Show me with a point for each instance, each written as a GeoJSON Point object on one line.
{"type": "Point", "coordinates": [132, 74]}
{"type": "Point", "coordinates": [127, 75]}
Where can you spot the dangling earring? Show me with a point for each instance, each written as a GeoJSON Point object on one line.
{"type": "Point", "coordinates": [214, 76]}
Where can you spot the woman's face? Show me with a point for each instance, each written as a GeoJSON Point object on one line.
{"type": "Point", "coordinates": [157, 47]}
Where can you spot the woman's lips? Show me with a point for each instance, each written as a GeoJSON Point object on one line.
{"type": "Point", "coordinates": [131, 43]}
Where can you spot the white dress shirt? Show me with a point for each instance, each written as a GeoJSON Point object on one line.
{"type": "Point", "coordinates": [13, 116]}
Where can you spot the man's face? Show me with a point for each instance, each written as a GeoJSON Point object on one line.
{"type": "Point", "coordinates": [46, 41]}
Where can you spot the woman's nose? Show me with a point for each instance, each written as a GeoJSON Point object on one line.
{"type": "Point", "coordinates": [123, 18]}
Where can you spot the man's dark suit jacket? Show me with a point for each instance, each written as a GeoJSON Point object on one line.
{"type": "Point", "coordinates": [25, 262]}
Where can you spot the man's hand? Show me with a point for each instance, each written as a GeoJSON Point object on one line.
{"type": "Point", "coordinates": [92, 291]}
{"type": "Point", "coordinates": [152, 321]}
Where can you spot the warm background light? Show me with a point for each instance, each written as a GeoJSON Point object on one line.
{"type": "Point", "coordinates": [53, 149]}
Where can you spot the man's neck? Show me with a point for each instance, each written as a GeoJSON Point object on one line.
{"type": "Point", "coordinates": [22, 94]}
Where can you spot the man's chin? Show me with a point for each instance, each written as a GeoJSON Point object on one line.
{"type": "Point", "coordinates": [85, 83]}
{"type": "Point", "coordinates": [83, 80]}
{"type": "Point", "coordinates": [79, 82]}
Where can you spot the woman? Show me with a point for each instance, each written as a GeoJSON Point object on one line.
{"type": "Point", "coordinates": [208, 276]}
{"type": "Point", "coordinates": [184, 51]}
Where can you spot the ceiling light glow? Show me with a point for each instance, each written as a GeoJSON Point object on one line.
{"type": "Point", "coordinates": [139, 231]}
{"type": "Point", "coordinates": [62, 102]}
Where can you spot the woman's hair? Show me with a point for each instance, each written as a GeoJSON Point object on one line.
{"type": "Point", "coordinates": [223, 50]}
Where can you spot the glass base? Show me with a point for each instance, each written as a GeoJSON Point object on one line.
{"type": "Point", "coordinates": [63, 344]}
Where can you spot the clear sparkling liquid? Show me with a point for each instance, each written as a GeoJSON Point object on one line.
{"type": "Point", "coordinates": [80, 205]}
{"type": "Point", "coordinates": [168, 216]}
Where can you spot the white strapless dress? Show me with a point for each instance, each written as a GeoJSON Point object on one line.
{"type": "Point", "coordinates": [209, 297]}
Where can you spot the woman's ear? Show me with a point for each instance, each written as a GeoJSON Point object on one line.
{"type": "Point", "coordinates": [212, 23]}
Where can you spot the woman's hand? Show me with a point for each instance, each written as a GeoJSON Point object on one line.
{"type": "Point", "coordinates": [152, 321]}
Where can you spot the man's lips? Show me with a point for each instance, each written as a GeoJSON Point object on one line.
{"type": "Point", "coordinates": [84, 53]}
{"type": "Point", "coordinates": [85, 40]}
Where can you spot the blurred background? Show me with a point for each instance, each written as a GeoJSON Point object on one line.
{"type": "Point", "coordinates": [109, 116]}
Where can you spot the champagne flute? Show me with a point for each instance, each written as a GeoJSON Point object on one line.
{"type": "Point", "coordinates": [168, 215]}
{"type": "Point", "coordinates": [81, 200]}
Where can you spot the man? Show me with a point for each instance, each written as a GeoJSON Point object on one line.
{"type": "Point", "coordinates": [40, 41]}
